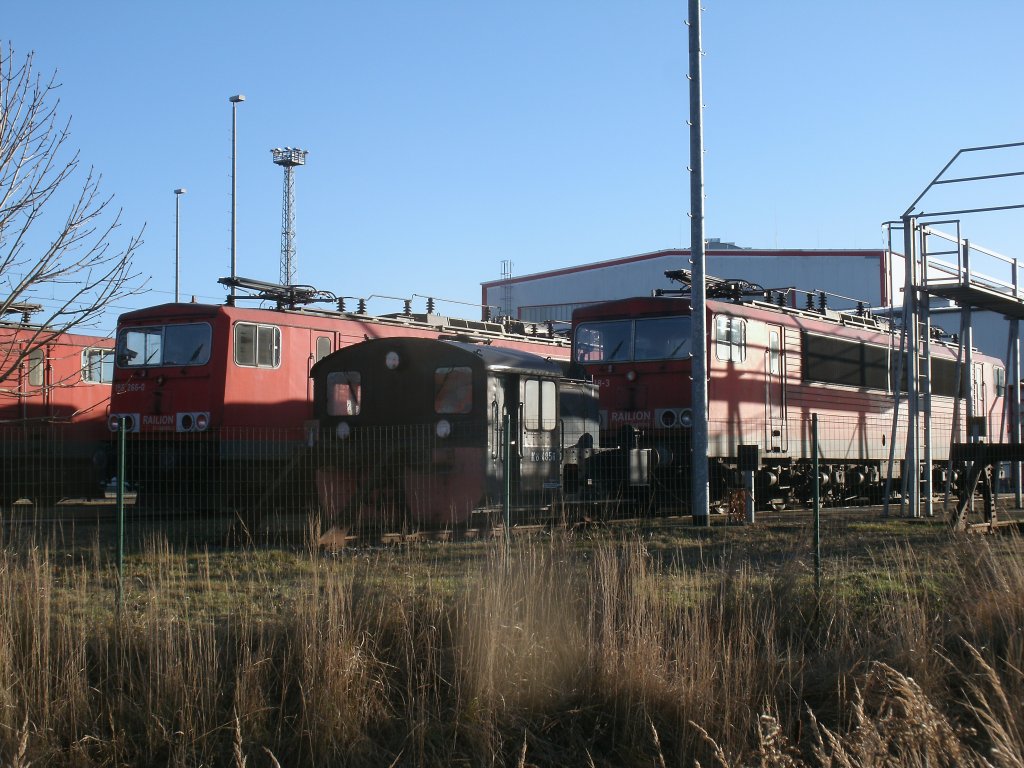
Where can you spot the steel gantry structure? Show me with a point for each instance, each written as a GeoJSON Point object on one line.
{"type": "Point", "coordinates": [929, 271]}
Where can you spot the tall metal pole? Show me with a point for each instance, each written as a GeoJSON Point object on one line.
{"type": "Point", "coordinates": [967, 321]}
{"type": "Point", "coordinates": [912, 466]}
{"type": "Point", "coordinates": [817, 504]}
{"type": "Point", "coordinates": [925, 387]}
{"type": "Point", "coordinates": [177, 210]}
{"type": "Point", "coordinates": [235, 101]}
{"type": "Point", "coordinates": [699, 503]}
{"type": "Point", "coordinates": [119, 506]}
{"type": "Point", "coordinates": [1013, 390]}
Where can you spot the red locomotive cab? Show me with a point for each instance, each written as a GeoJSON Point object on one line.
{"type": "Point", "coordinates": [166, 362]}
{"type": "Point", "coordinates": [637, 351]}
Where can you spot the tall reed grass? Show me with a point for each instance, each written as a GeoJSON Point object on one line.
{"type": "Point", "coordinates": [563, 653]}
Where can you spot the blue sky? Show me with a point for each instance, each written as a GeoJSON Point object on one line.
{"type": "Point", "coordinates": [444, 137]}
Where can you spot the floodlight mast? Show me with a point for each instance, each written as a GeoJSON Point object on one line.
{"type": "Point", "coordinates": [288, 158]}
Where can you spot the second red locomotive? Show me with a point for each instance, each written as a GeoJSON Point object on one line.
{"type": "Point", "coordinates": [770, 366]}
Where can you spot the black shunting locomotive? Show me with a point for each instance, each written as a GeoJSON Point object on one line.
{"type": "Point", "coordinates": [421, 433]}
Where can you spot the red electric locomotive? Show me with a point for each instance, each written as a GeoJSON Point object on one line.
{"type": "Point", "coordinates": [770, 367]}
{"type": "Point", "coordinates": [200, 386]}
{"type": "Point", "coordinates": [53, 406]}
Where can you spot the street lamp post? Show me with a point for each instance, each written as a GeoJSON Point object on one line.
{"type": "Point", "coordinates": [177, 200]}
{"type": "Point", "coordinates": [235, 101]}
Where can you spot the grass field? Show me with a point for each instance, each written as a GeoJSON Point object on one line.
{"type": "Point", "coordinates": [654, 644]}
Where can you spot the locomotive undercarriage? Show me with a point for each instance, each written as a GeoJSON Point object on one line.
{"type": "Point", "coordinates": [656, 475]}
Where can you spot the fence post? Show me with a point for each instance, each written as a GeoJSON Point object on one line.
{"type": "Point", "coordinates": [507, 478]}
{"type": "Point", "coordinates": [121, 424]}
{"type": "Point", "coordinates": [817, 505]}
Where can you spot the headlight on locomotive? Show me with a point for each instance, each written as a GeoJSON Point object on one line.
{"type": "Point", "coordinates": [343, 430]}
{"type": "Point", "coordinates": [444, 428]}
{"type": "Point", "coordinates": [114, 422]}
{"type": "Point", "coordinates": [686, 418]}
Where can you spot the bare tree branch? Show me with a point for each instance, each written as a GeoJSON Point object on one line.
{"type": "Point", "coordinates": [67, 262]}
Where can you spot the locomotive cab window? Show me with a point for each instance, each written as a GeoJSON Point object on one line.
{"type": "Point", "coordinates": [35, 368]}
{"type": "Point", "coordinates": [662, 338]}
{"type": "Point", "coordinates": [453, 390]}
{"type": "Point", "coordinates": [651, 338]}
{"type": "Point", "coordinates": [179, 344]}
{"type": "Point", "coordinates": [539, 412]}
{"type": "Point", "coordinates": [730, 339]}
{"type": "Point", "coordinates": [344, 391]}
{"type": "Point", "coordinates": [323, 348]}
{"type": "Point", "coordinates": [603, 342]}
{"type": "Point", "coordinates": [257, 346]}
{"type": "Point", "coordinates": [98, 366]}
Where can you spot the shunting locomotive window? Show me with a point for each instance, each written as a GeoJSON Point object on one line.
{"type": "Point", "coordinates": [257, 345]}
{"type": "Point", "coordinates": [323, 348]}
{"type": "Point", "coordinates": [98, 366]}
{"type": "Point", "coordinates": [35, 368]}
{"type": "Point", "coordinates": [344, 391]}
{"type": "Point", "coordinates": [730, 338]}
{"type": "Point", "coordinates": [453, 390]}
{"type": "Point", "coordinates": [539, 405]}
{"type": "Point", "coordinates": [178, 344]}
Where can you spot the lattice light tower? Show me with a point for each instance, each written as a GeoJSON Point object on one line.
{"type": "Point", "coordinates": [288, 158]}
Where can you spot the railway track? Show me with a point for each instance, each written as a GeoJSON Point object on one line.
{"type": "Point", "coordinates": [101, 513]}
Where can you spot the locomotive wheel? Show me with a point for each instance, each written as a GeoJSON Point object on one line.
{"type": "Point", "coordinates": [777, 505]}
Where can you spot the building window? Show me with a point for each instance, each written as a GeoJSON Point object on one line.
{"type": "Point", "coordinates": [344, 392]}
{"type": "Point", "coordinates": [257, 346]}
{"type": "Point", "coordinates": [730, 339]}
{"type": "Point", "coordinates": [453, 390]}
{"type": "Point", "coordinates": [36, 367]}
{"type": "Point", "coordinates": [98, 366]}
{"type": "Point", "coordinates": [323, 348]}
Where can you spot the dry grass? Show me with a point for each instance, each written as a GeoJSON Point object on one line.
{"type": "Point", "coordinates": [616, 649]}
